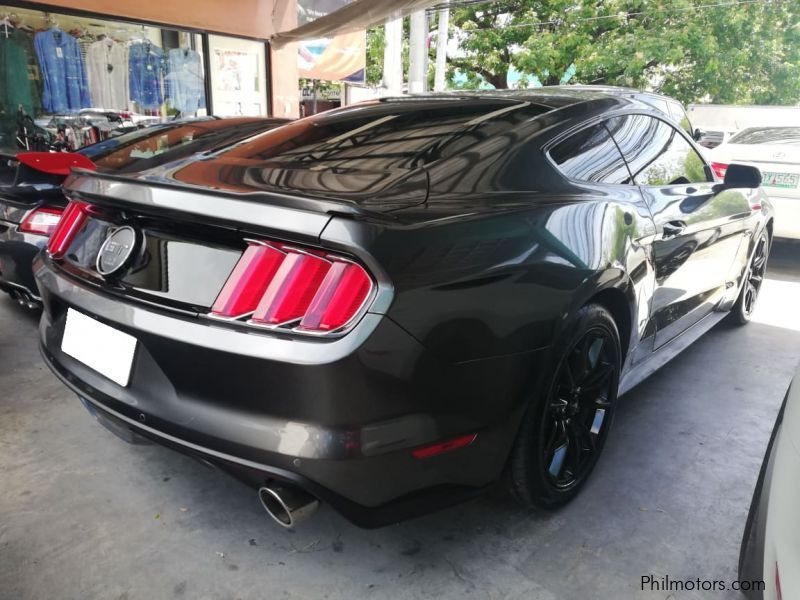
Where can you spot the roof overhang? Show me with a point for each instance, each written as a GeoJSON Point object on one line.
{"type": "Point", "coordinates": [355, 16]}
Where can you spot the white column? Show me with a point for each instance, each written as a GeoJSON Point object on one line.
{"type": "Point", "coordinates": [393, 57]}
{"type": "Point", "coordinates": [441, 50]}
{"type": "Point", "coordinates": [418, 53]}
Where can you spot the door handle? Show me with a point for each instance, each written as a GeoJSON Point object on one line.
{"type": "Point", "coordinates": [673, 228]}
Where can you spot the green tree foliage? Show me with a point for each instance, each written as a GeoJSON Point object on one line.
{"type": "Point", "coordinates": [737, 53]}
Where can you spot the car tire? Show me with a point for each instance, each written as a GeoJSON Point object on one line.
{"type": "Point", "coordinates": [742, 310]}
{"type": "Point", "coordinates": [564, 429]}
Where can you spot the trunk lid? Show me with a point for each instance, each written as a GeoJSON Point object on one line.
{"type": "Point", "coordinates": [189, 238]}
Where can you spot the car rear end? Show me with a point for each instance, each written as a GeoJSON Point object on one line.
{"type": "Point", "coordinates": [252, 333]}
{"type": "Point", "coordinates": [31, 204]}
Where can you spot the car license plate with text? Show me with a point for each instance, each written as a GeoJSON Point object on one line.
{"type": "Point", "coordinates": [99, 347]}
{"type": "Point", "coordinates": [780, 180]}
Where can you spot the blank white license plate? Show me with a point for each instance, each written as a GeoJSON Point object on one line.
{"type": "Point", "coordinates": [100, 347]}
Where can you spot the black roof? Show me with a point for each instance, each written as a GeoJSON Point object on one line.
{"type": "Point", "coordinates": [553, 97]}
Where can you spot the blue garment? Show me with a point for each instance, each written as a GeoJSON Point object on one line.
{"type": "Point", "coordinates": [65, 86]}
{"type": "Point", "coordinates": [147, 68]}
{"type": "Point", "coordinates": [186, 91]}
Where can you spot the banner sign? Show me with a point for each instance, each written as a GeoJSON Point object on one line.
{"type": "Point", "coordinates": [340, 58]}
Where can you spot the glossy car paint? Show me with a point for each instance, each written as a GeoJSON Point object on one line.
{"type": "Point", "coordinates": [24, 189]}
{"type": "Point", "coordinates": [481, 250]}
{"type": "Point", "coordinates": [771, 534]}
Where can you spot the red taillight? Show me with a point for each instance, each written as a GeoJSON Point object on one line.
{"type": "Point", "coordinates": [441, 447]}
{"type": "Point", "coordinates": [719, 169]}
{"type": "Point", "coordinates": [283, 285]}
{"type": "Point", "coordinates": [42, 221]}
{"type": "Point", "coordinates": [778, 583]}
{"type": "Point", "coordinates": [340, 295]}
{"type": "Point", "coordinates": [70, 224]}
{"type": "Point", "coordinates": [248, 281]}
{"type": "Point", "coordinates": [292, 289]}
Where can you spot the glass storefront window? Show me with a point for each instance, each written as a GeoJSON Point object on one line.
{"type": "Point", "coordinates": [68, 81]}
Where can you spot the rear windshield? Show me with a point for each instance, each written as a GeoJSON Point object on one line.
{"type": "Point", "coordinates": [385, 136]}
{"type": "Point", "coordinates": [147, 147]}
{"type": "Point", "coordinates": [768, 135]}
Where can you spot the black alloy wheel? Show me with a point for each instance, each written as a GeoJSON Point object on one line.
{"type": "Point", "coordinates": [563, 435]}
{"type": "Point", "coordinates": [742, 311]}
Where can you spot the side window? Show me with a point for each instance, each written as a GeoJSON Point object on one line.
{"type": "Point", "coordinates": [591, 155]}
{"type": "Point", "coordinates": [679, 116]}
{"type": "Point", "coordinates": [656, 152]}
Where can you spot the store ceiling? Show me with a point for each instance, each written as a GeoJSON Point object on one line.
{"type": "Point", "coordinates": [358, 15]}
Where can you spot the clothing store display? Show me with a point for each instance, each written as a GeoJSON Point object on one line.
{"type": "Point", "coordinates": [107, 71]}
{"type": "Point", "coordinates": [18, 73]}
{"type": "Point", "coordinates": [65, 85]}
{"type": "Point", "coordinates": [185, 82]}
{"type": "Point", "coordinates": [147, 68]}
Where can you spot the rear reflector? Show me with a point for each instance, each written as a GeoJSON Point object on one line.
{"type": "Point", "coordinates": [70, 224]}
{"type": "Point", "coordinates": [719, 169]}
{"type": "Point", "coordinates": [283, 285]}
{"type": "Point", "coordinates": [42, 221]}
{"type": "Point", "coordinates": [441, 447]}
{"type": "Point", "coordinates": [55, 163]}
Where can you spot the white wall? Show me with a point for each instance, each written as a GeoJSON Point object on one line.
{"type": "Point", "coordinates": [730, 118]}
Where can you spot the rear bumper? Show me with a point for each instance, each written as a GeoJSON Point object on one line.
{"type": "Point", "coordinates": [338, 418]}
{"type": "Point", "coordinates": [17, 252]}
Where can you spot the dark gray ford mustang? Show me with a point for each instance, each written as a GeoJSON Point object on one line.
{"type": "Point", "coordinates": [393, 306]}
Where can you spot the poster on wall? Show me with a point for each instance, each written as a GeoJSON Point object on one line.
{"type": "Point", "coordinates": [237, 70]}
{"type": "Point", "coordinates": [340, 58]}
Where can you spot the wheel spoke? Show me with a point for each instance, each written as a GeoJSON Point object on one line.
{"type": "Point", "coordinates": [597, 381]}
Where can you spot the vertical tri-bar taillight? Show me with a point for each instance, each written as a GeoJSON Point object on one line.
{"type": "Point", "coordinates": [280, 285]}
{"type": "Point", "coordinates": [72, 220]}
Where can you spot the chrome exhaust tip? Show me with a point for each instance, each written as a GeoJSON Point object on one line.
{"type": "Point", "coordinates": [287, 505]}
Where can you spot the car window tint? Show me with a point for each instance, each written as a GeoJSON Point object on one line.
{"type": "Point", "coordinates": [591, 155]}
{"type": "Point", "coordinates": [656, 152]}
{"type": "Point", "coordinates": [680, 117]}
{"type": "Point", "coordinates": [385, 136]}
{"type": "Point", "coordinates": [141, 149]}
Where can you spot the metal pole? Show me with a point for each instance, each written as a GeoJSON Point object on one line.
{"type": "Point", "coordinates": [441, 50]}
{"type": "Point", "coordinates": [313, 96]}
{"type": "Point", "coordinates": [418, 53]}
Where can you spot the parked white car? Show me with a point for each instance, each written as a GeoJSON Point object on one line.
{"type": "Point", "coordinates": [771, 543]}
{"type": "Point", "coordinates": [776, 152]}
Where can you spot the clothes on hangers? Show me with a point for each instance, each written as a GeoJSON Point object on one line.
{"type": "Point", "coordinates": [65, 85]}
{"type": "Point", "coordinates": [185, 82]}
{"type": "Point", "coordinates": [147, 68]}
{"type": "Point", "coordinates": [107, 72]}
{"type": "Point", "coordinates": [18, 74]}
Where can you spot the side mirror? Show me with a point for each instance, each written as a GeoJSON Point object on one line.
{"type": "Point", "coordinates": [741, 176]}
{"type": "Point", "coordinates": [698, 134]}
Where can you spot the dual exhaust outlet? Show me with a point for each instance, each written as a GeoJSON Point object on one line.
{"type": "Point", "coordinates": [287, 504]}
